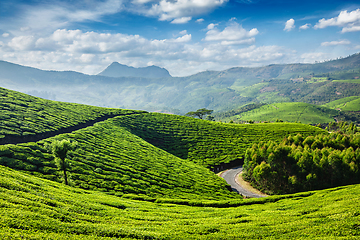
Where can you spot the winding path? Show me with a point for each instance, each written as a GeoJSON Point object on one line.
{"type": "Point", "coordinates": [230, 176]}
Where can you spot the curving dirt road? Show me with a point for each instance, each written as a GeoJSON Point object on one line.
{"type": "Point", "coordinates": [230, 177]}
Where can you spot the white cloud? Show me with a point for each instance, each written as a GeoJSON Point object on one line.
{"type": "Point", "coordinates": [313, 57]}
{"type": "Point", "coordinates": [350, 21]}
{"type": "Point", "coordinates": [200, 20]}
{"type": "Point", "coordinates": [233, 34]}
{"type": "Point", "coordinates": [22, 43]}
{"type": "Point", "coordinates": [351, 29]}
{"type": "Point", "coordinates": [142, 1]}
{"type": "Point", "coordinates": [244, 41]}
{"type": "Point", "coordinates": [173, 9]}
{"type": "Point", "coordinates": [91, 52]}
{"type": "Point", "coordinates": [335, 43]}
{"type": "Point", "coordinates": [5, 35]}
{"type": "Point", "coordinates": [181, 20]}
{"type": "Point", "coordinates": [47, 16]}
{"type": "Point", "coordinates": [211, 26]}
{"type": "Point", "coordinates": [24, 29]}
{"type": "Point", "coordinates": [289, 25]}
{"type": "Point", "coordinates": [182, 39]}
{"type": "Point", "coordinates": [305, 26]}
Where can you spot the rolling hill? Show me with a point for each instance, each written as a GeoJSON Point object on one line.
{"type": "Point", "coordinates": [143, 153]}
{"type": "Point", "coordinates": [24, 116]}
{"type": "Point", "coordinates": [139, 175]}
{"type": "Point", "coordinates": [288, 112]}
{"type": "Point", "coordinates": [34, 208]}
{"type": "Point", "coordinates": [345, 104]}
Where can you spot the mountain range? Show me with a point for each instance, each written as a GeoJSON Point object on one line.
{"type": "Point", "coordinates": [119, 70]}
{"type": "Point", "coordinates": [154, 89]}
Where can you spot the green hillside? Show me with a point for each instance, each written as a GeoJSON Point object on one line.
{"type": "Point", "coordinates": [142, 175]}
{"type": "Point", "coordinates": [206, 142]}
{"type": "Point", "coordinates": [33, 208]}
{"type": "Point", "coordinates": [289, 112]}
{"type": "Point", "coordinates": [24, 115]}
{"type": "Point", "coordinates": [142, 153]}
{"type": "Point", "coordinates": [112, 155]}
{"type": "Point", "coordinates": [345, 104]}
{"type": "Point", "coordinates": [110, 158]}
{"type": "Point", "coordinates": [349, 80]}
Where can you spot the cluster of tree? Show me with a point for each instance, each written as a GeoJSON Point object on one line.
{"type": "Point", "coordinates": [342, 127]}
{"type": "Point", "coordinates": [302, 164]}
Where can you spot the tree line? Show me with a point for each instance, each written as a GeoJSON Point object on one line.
{"type": "Point", "coordinates": [302, 164]}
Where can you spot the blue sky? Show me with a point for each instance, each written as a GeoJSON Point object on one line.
{"type": "Point", "coordinates": [183, 36]}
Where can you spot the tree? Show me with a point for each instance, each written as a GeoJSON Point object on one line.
{"type": "Point", "coordinates": [210, 118]}
{"type": "Point", "coordinates": [200, 113]}
{"type": "Point", "coordinates": [60, 150]}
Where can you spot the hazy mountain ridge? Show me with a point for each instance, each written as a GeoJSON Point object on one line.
{"type": "Point", "coordinates": [218, 90]}
{"type": "Point", "coordinates": [119, 70]}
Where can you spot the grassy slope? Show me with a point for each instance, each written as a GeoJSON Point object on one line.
{"type": "Point", "coordinates": [109, 158]}
{"type": "Point", "coordinates": [33, 208]}
{"type": "Point", "coordinates": [291, 112]}
{"type": "Point", "coordinates": [205, 142]}
{"type": "Point", "coordinates": [22, 114]}
{"type": "Point", "coordinates": [345, 104]}
{"type": "Point", "coordinates": [348, 81]}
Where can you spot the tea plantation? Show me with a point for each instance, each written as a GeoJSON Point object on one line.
{"type": "Point", "coordinates": [139, 175]}
{"type": "Point", "coordinates": [205, 142]}
{"type": "Point", "coordinates": [24, 115]}
{"type": "Point", "coordinates": [109, 158]}
{"type": "Point", "coordinates": [33, 208]}
{"type": "Point", "coordinates": [290, 112]}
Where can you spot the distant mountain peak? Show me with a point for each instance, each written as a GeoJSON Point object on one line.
{"type": "Point", "coordinates": [116, 69]}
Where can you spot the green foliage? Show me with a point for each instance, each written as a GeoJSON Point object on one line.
{"type": "Point", "coordinates": [33, 208]}
{"type": "Point", "coordinates": [289, 112]}
{"type": "Point", "coordinates": [342, 127]}
{"type": "Point", "coordinates": [111, 159]}
{"type": "Point", "coordinates": [304, 163]}
{"type": "Point", "coordinates": [345, 104]}
{"type": "Point", "coordinates": [348, 81]}
{"type": "Point", "coordinates": [200, 113]}
{"type": "Point", "coordinates": [60, 150]}
{"type": "Point", "coordinates": [204, 142]}
{"type": "Point", "coordinates": [228, 114]}
{"type": "Point", "coordinates": [24, 115]}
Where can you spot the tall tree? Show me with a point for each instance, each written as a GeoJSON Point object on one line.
{"type": "Point", "coordinates": [60, 150]}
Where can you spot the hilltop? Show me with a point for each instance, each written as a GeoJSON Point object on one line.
{"type": "Point", "coordinates": [119, 70]}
